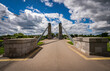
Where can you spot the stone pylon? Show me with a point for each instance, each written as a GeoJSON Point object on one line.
{"type": "Point", "coordinates": [60, 31]}
{"type": "Point", "coordinates": [49, 31]}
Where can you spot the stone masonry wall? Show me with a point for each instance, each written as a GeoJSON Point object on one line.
{"type": "Point", "coordinates": [19, 47]}
{"type": "Point", "coordinates": [91, 45]}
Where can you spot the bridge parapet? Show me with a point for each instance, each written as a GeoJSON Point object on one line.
{"type": "Point", "coordinates": [91, 45]}
{"type": "Point", "coordinates": [19, 47]}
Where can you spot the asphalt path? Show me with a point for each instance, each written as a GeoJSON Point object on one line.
{"type": "Point", "coordinates": [56, 56]}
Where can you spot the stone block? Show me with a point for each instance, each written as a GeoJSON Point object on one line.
{"type": "Point", "coordinates": [19, 47]}
{"type": "Point", "coordinates": [91, 45]}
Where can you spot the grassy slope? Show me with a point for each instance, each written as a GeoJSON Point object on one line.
{"type": "Point", "coordinates": [1, 40]}
{"type": "Point", "coordinates": [68, 39]}
{"type": "Point", "coordinates": [70, 42]}
{"type": "Point", "coordinates": [1, 50]}
{"type": "Point", "coordinates": [40, 43]}
{"type": "Point", "coordinates": [108, 47]}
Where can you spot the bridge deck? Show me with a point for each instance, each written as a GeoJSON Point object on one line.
{"type": "Point", "coordinates": [56, 56]}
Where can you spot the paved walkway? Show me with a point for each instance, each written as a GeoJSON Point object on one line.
{"type": "Point", "coordinates": [56, 56]}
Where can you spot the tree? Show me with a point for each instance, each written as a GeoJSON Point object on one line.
{"type": "Point", "coordinates": [76, 35]}
{"type": "Point", "coordinates": [53, 35]}
{"type": "Point", "coordinates": [65, 36]}
{"type": "Point", "coordinates": [104, 34]}
{"type": "Point", "coordinates": [56, 35]}
{"type": "Point", "coordinates": [19, 35]}
{"type": "Point", "coordinates": [72, 35]}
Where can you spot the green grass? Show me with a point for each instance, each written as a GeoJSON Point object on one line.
{"type": "Point", "coordinates": [68, 39]}
{"type": "Point", "coordinates": [1, 50]}
{"type": "Point", "coordinates": [40, 43]}
{"type": "Point", "coordinates": [108, 47]}
{"type": "Point", "coordinates": [1, 40]}
{"type": "Point", "coordinates": [108, 38]}
{"type": "Point", "coordinates": [70, 42]}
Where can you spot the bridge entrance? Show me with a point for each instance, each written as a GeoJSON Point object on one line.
{"type": "Point", "coordinates": [50, 34]}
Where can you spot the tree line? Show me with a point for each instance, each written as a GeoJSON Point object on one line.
{"type": "Point", "coordinates": [21, 35]}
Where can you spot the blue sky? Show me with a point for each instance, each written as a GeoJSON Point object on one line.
{"type": "Point", "coordinates": [16, 5]}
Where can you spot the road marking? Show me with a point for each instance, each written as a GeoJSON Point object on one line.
{"type": "Point", "coordinates": [78, 53]}
{"type": "Point", "coordinates": [86, 58]}
{"type": "Point", "coordinates": [2, 60]}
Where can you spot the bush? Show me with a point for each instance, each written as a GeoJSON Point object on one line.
{"type": "Point", "coordinates": [1, 43]}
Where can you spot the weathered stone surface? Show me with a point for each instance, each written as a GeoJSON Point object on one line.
{"type": "Point", "coordinates": [19, 47]}
{"type": "Point", "coordinates": [60, 31]}
{"type": "Point", "coordinates": [49, 31]}
{"type": "Point", "coordinates": [91, 45]}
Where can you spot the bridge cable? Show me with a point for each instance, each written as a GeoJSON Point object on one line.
{"type": "Point", "coordinates": [41, 35]}
{"type": "Point", "coordinates": [68, 35]}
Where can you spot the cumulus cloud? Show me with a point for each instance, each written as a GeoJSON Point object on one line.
{"type": "Point", "coordinates": [96, 10]}
{"type": "Point", "coordinates": [100, 27]}
{"type": "Point", "coordinates": [33, 9]}
{"type": "Point", "coordinates": [52, 15]}
{"type": "Point", "coordinates": [34, 22]}
{"type": "Point", "coordinates": [47, 3]}
{"type": "Point", "coordinates": [27, 22]}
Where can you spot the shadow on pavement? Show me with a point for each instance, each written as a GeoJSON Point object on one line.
{"type": "Point", "coordinates": [4, 65]}
{"type": "Point", "coordinates": [29, 55]}
{"type": "Point", "coordinates": [107, 54]}
{"type": "Point", "coordinates": [50, 42]}
{"type": "Point", "coordinates": [32, 54]}
{"type": "Point", "coordinates": [35, 53]}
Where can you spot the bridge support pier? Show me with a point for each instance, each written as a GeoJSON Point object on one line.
{"type": "Point", "coordinates": [49, 31]}
{"type": "Point", "coordinates": [60, 31]}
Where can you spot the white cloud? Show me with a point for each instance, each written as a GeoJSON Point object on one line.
{"type": "Point", "coordinates": [33, 9]}
{"type": "Point", "coordinates": [24, 0]}
{"type": "Point", "coordinates": [47, 3]}
{"type": "Point", "coordinates": [100, 27]}
{"type": "Point", "coordinates": [31, 22]}
{"type": "Point", "coordinates": [27, 22]}
{"type": "Point", "coordinates": [59, 1]}
{"type": "Point", "coordinates": [4, 11]}
{"type": "Point", "coordinates": [96, 10]}
{"type": "Point", "coordinates": [52, 15]}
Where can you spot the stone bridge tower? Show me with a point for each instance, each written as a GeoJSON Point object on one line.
{"type": "Point", "coordinates": [60, 31]}
{"type": "Point", "coordinates": [49, 31]}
